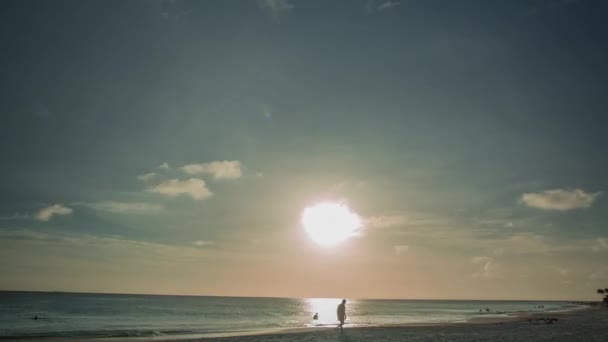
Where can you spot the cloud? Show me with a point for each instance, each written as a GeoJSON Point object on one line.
{"type": "Point", "coordinates": [201, 243]}
{"type": "Point", "coordinates": [401, 249]}
{"type": "Point", "coordinates": [45, 214]}
{"type": "Point", "coordinates": [276, 7]}
{"type": "Point", "coordinates": [147, 177]}
{"type": "Point", "coordinates": [386, 5]}
{"type": "Point", "coordinates": [164, 166]}
{"type": "Point", "coordinates": [488, 267]}
{"type": "Point", "coordinates": [126, 207]}
{"type": "Point", "coordinates": [226, 169]}
{"type": "Point", "coordinates": [601, 274]}
{"type": "Point", "coordinates": [600, 244]}
{"type": "Point", "coordinates": [378, 6]}
{"type": "Point", "coordinates": [560, 199]}
{"type": "Point", "coordinates": [193, 187]}
{"type": "Point", "coordinates": [385, 221]}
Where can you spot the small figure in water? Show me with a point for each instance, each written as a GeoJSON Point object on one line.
{"type": "Point", "coordinates": [342, 314]}
{"type": "Point", "coordinates": [35, 318]}
{"type": "Point", "coordinates": [487, 310]}
{"type": "Point", "coordinates": [316, 316]}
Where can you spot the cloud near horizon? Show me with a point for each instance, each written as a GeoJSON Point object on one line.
{"type": "Point", "coordinates": [225, 169]}
{"type": "Point", "coordinates": [193, 187]}
{"type": "Point", "coordinates": [560, 199]}
{"type": "Point", "coordinates": [126, 207]}
{"type": "Point", "coordinates": [45, 214]}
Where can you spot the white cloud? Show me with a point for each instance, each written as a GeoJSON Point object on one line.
{"type": "Point", "coordinates": [560, 199]}
{"type": "Point", "coordinates": [201, 243]}
{"type": "Point", "coordinates": [193, 187]}
{"type": "Point", "coordinates": [401, 249]}
{"type": "Point", "coordinates": [600, 244]}
{"type": "Point", "coordinates": [385, 221]}
{"type": "Point", "coordinates": [147, 177]}
{"type": "Point", "coordinates": [164, 166]}
{"type": "Point", "coordinates": [386, 5]}
{"type": "Point", "coordinates": [47, 213]}
{"type": "Point", "coordinates": [488, 267]}
{"type": "Point", "coordinates": [226, 169]}
{"type": "Point", "coordinates": [126, 207]}
{"type": "Point", "coordinates": [276, 7]}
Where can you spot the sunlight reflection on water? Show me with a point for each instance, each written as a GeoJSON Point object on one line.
{"type": "Point", "coordinates": [326, 308]}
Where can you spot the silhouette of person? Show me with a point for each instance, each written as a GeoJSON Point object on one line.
{"type": "Point", "coordinates": [342, 314]}
{"type": "Point", "coordinates": [316, 316]}
{"type": "Point", "coordinates": [35, 318]}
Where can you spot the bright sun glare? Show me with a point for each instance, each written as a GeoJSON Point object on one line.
{"type": "Point", "coordinates": [330, 223]}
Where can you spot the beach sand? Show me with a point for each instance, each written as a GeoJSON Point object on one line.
{"type": "Point", "coordinates": [586, 325]}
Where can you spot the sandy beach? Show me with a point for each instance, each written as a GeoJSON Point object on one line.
{"type": "Point", "coordinates": [583, 325]}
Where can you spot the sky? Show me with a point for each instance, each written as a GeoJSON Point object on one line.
{"type": "Point", "coordinates": [170, 147]}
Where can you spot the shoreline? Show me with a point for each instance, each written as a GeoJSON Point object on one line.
{"type": "Point", "coordinates": [296, 334]}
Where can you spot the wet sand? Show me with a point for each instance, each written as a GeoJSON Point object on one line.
{"type": "Point", "coordinates": [587, 325]}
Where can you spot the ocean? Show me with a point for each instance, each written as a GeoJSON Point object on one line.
{"type": "Point", "coordinates": [114, 315]}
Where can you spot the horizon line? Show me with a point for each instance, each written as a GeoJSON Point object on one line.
{"type": "Point", "coordinates": [279, 297]}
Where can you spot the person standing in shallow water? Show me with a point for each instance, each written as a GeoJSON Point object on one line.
{"type": "Point", "coordinates": [342, 314]}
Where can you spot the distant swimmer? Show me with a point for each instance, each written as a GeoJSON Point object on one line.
{"type": "Point", "coordinates": [342, 314]}
{"type": "Point", "coordinates": [316, 316]}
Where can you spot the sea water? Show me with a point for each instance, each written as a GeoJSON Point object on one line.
{"type": "Point", "coordinates": [113, 315]}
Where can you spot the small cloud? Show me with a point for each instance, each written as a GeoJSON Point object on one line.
{"type": "Point", "coordinates": [202, 243]}
{"type": "Point", "coordinates": [401, 249]}
{"type": "Point", "coordinates": [147, 177]}
{"type": "Point", "coordinates": [379, 5]}
{"type": "Point", "coordinates": [164, 166]}
{"type": "Point", "coordinates": [387, 5]}
{"type": "Point", "coordinates": [276, 7]}
{"type": "Point", "coordinates": [45, 214]}
{"type": "Point", "coordinates": [385, 221]}
{"type": "Point", "coordinates": [126, 207]}
{"type": "Point", "coordinates": [226, 169]}
{"type": "Point", "coordinates": [488, 267]}
{"type": "Point", "coordinates": [601, 274]}
{"type": "Point", "coordinates": [560, 199]}
{"type": "Point", "coordinates": [193, 187]}
{"type": "Point", "coordinates": [600, 244]}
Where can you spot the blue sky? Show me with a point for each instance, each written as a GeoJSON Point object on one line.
{"type": "Point", "coordinates": [171, 146]}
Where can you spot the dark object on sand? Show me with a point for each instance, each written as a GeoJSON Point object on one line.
{"type": "Point", "coordinates": [547, 320]}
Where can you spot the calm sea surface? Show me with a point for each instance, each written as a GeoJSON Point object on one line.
{"type": "Point", "coordinates": [105, 315]}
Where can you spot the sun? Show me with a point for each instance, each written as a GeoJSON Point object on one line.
{"type": "Point", "coordinates": [330, 223]}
